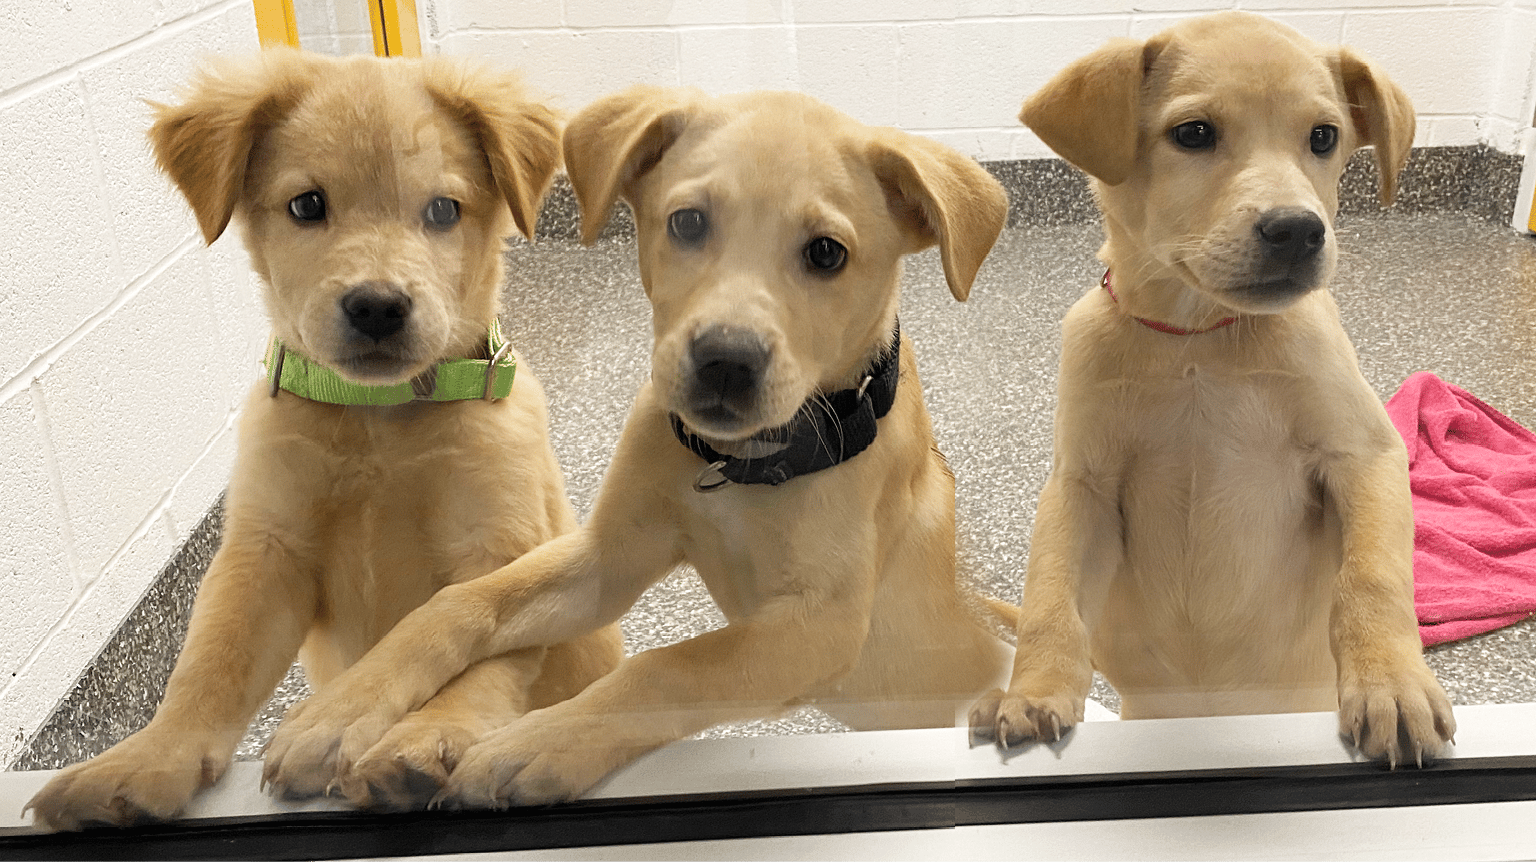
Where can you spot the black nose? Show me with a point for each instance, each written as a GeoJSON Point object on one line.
{"type": "Point", "coordinates": [1290, 234]}
{"type": "Point", "coordinates": [376, 309]}
{"type": "Point", "coordinates": [728, 362]}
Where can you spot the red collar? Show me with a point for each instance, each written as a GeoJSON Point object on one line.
{"type": "Point", "coordinates": [1160, 326]}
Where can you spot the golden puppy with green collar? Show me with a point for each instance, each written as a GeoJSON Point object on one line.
{"type": "Point", "coordinates": [397, 447]}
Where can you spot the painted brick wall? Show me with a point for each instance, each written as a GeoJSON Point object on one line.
{"type": "Point", "coordinates": [127, 342]}
{"type": "Point", "coordinates": [957, 70]}
{"type": "Point", "coordinates": [334, 26]}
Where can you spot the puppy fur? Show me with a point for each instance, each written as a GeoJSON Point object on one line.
{"type": "Point", "coordinates": [1227, 525]}
{"type": "Point", "coordinates": [341, 519]}
{"type": "Point", "coordinates": [839, 586]}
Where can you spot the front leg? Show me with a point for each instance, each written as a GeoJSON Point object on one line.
{"type": "Point", "coordinates": [1073, 551]}
{"type": "Point", "coordinates": [252, 612]}
{"type": "Point", "coordinates": [1390, 705]}
{"type": "Point", "coordinates": [792, 646]}
{"type": "Point", "coordinates": [561, 590]}
{"type": "Point", "coordinates": [410, 764]}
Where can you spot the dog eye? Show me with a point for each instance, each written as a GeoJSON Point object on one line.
{"type": "Point", "coordinates": [1194, 135]}
{"type": "Point", "coordinates": [308, 207]}
{"type": "Point", "coordinates": [825, 254]}
{"type": "Point", "coordinates": [442, 213]}
{"type": "Point", "coordinates": [1324, 138]}
{"type": "Point", "coordinates": [687, 225]}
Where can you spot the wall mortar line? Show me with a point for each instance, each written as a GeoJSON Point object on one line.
{"type": "Point", "coordinates": [43, 361]}
{"type": "Point", "coordinates": [27, 89]}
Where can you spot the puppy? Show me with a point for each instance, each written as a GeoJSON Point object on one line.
{"type": "Point", "coordinates": [1227, 526]}
{"type": "Point", "coordinates": [781, 447]}
{"type": "Point", "coordinates": [373, 197]}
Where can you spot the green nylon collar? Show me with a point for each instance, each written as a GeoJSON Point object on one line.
{"type": "Point", "coordinates": [449, 381]}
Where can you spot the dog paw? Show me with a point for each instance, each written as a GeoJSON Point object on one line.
{"type": "Point", "coordinates": [534, 760]}
{"type": "Point", "coordinates": [1399, 715]}
{"type": "Point", "coordinates": [319, 741]}
{"type": "Point", "coordinates": [409, 766]}
{"type": "Point", "coordinates": [148, 777]}
{"type": "Point", "coordinates": [1013, 719]}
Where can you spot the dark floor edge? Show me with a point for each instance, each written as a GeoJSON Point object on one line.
{"type": "Point", "coordinates": [119, 689]}
{"type": "Point", "coordinates": [839, 810]}
{"type": "Point", "coordinates": [1474, 179]}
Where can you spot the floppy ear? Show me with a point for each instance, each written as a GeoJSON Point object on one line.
{"type": "Point", "coordinates": [1382, 114]}
{"type": "Point", "coordinates": [520, 137]}
{"type": "Point", "coordinates": [941, 197]}
{"type": "Point", "coordinates": [204, 143]}
{"type": "Point", "coordinates": [1088, 112]}
{"type": "Point", "coordinates": [615, 140]}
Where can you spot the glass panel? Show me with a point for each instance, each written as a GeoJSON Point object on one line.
{"type": "Point", "coordinates": [1437, 282]}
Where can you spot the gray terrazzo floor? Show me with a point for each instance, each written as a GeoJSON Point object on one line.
{"type": "Point", "coordinates": [1453, 294]}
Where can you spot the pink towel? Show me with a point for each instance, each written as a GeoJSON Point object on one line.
{"type": "Point", "coordinates": [1473, 473]}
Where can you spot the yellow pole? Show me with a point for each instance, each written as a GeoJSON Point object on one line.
{"type": "Point", "coordinates": [275, 23]}
{"type": "Point", "coordinates": [1525, 193]}
{"type": "Point", "coordinates": [395, 31]}
{"type": "Point", "coordinates": [1530, 216]}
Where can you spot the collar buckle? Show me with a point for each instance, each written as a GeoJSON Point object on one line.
{"type": "Point", "coordinates": [489, 394]}
{"type": "Point", "coordinates": [277, 369]}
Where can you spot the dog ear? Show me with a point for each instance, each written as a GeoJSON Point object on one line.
{"type": "Point", "coordinates": [941, 197]}
{"type": "Point", "coordinates": [520, 137]}
{"type": "Point", "coordinates": [1382, 114]}
{"type": "Point", "coordinates": [1088, 113]}
{"type": "Point", "coordinates": [204, 143]}
{"type": "Point", "coordinates": [614, 141]}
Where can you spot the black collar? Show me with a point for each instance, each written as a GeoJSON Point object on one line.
{"type": "Point", "coordinates": [826, 430]}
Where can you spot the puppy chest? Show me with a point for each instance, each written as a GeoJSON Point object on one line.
{"type": "Point", "coordinates": [393, 537]}
{"type": "Point", "coordinates": [379, 559]}
{"type": "Point", "coordinates": [754, 545]}
{"type": "Point", "coordinates": [1217, 486]}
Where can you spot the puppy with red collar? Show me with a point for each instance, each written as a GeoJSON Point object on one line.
{"type": "Point", "coordinates": [1227, 527]}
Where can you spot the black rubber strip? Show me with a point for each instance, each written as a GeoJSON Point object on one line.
{"type": "Point", "coordinates": [836, 810]}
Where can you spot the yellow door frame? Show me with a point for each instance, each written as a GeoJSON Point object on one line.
{"type": "Point", "coordinates": [275, 24]}
{"type": "Point", "coordinates": [395, 32]}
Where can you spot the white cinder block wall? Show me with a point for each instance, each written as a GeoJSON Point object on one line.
{"type": "Point", "coordinates": [334, 26]}
{"type": "Point", "coordinates": [126, 341]}
{"type": "Point", "coordinates": [957, 70]}
{"type": "Point", "coordinates": [127, 344]}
